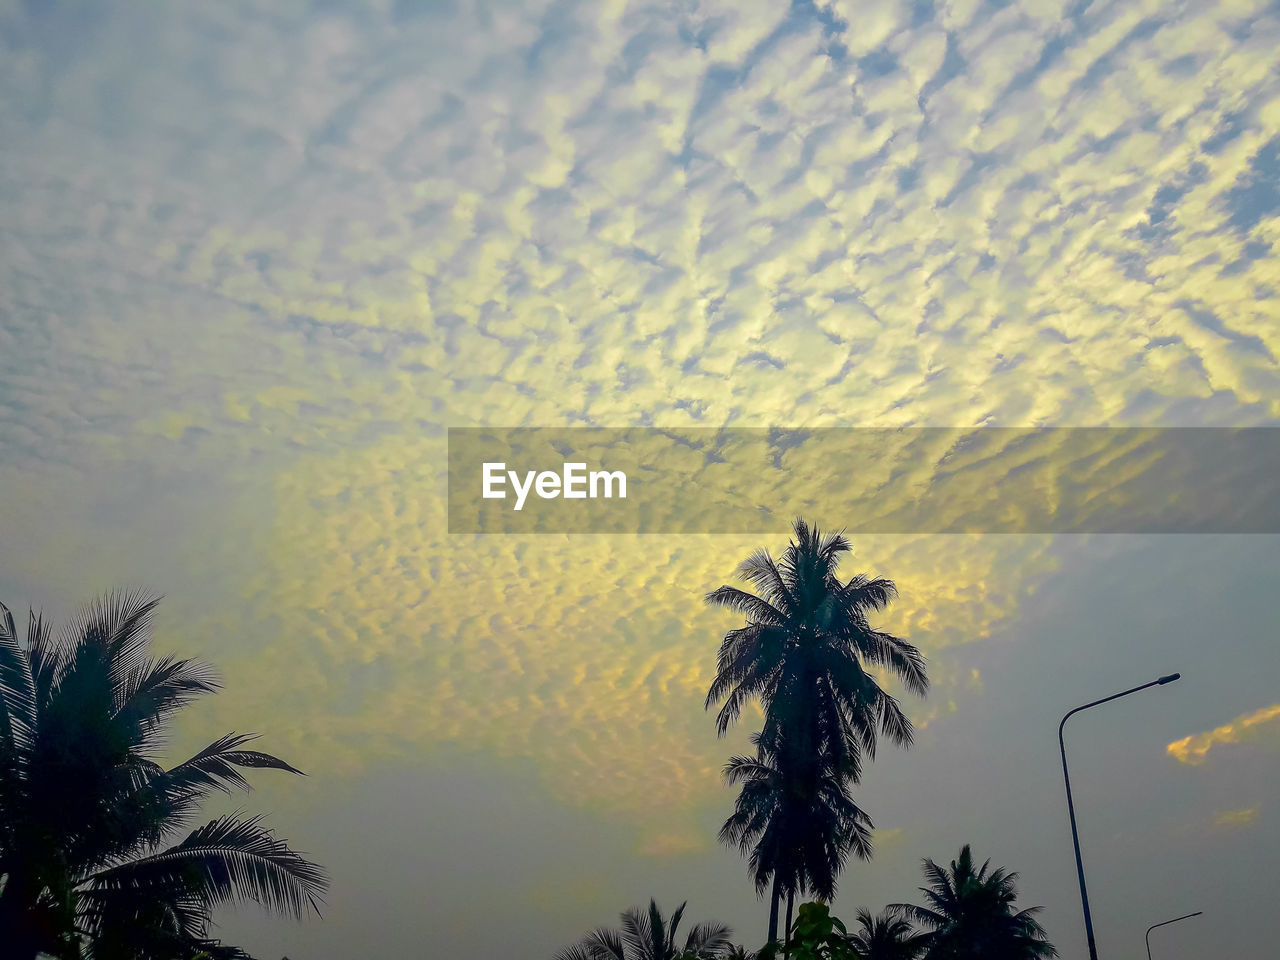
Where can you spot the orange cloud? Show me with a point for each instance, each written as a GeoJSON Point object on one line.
{"type": "Point", "coordinates": [1195, 748]}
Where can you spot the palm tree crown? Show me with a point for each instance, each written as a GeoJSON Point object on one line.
{"type": "Point", "coordinates": [886, 936]}
{"type": "Point", "coordinates": [647, 935]}
{"type": "Point", "coordinates": [88, 817]}
{"type": "Point", "coordinates": [803, 650]}
{"type": "Point", "coordinates": [970, 914]}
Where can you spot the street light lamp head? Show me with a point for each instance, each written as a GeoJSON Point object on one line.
{"type": "Point", "coordinates": [1169, 679]}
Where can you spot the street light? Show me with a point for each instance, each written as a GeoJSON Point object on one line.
{"type": "Point", "coordinates": [1071, 809]}
{"type": "Point", "coordinates": [1165, 923]}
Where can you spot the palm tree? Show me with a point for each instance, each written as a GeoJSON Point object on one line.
{"type": "Point", "coordinates": [88, 816]}
{"type": "Point", "coordinates": [970, 914]}
{"type": "Point", "coordinates": [648, 936]}
{"type": "Point", "coordinates": [886, 936]}
{"type": "Point", "coordinates": [804, 652]}
{"type": "Point", "coordinates": [797, 828]}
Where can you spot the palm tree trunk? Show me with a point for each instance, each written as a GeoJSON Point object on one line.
{"type": "Point", "coordinates": [791, 899]}
{"type": "Point", "coordinates": [773, 910]}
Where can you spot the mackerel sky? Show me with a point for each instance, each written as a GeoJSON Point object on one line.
{"type": "Point", "coordinates": [255, 259]}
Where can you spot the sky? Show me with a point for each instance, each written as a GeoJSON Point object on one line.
{"type": "Point", "coordinates": [257, 259]}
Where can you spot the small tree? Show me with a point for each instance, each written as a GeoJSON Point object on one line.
{"type": "Point", "coordinates": [647, 935]}
{"type": "Point", "coordinates": [970, 914]}
{"type": "Point", "coordinates": [887, 936]}
{"type": "Point", "coordinates": [815, 935]}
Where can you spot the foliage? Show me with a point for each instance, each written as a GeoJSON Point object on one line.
{"type": "Point", "coordinates": [804, 652]}
{"type": "Point", "coordinates": [970, 914]}
{"type": "Point", "coordinates": [92, 850]}
{"type": "Point", "coordinates": [800, 827]}
{"type": "Point", "coordinates": [887, 936]}
{"type": "Point", "coordinates": [816, 935]}
{"type": "Point", "coordinates": [647, 935]}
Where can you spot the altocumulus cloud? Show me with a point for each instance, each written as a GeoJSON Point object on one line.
{"type": "Point", "coordinates": [289, 244]}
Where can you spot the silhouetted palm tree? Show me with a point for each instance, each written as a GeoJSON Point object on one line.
{"type": "Point", "coordinates": [886, 936]}
{"type": "Point", "coordinates": [646, 935]}
{"type": "Point", "coordinates": [970, 914]}
{"type": "Point", "coordinates": [803, 652]}
{"type": "Point", "coordinates": [88, 817]}
{"type": "Point", "coordinates": [796, 829]}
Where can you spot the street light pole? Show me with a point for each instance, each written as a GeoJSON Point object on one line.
{"type": "Point", "coordinates": [1071, 809]}
{"type": "Point", "coordinates": [1165, 923]}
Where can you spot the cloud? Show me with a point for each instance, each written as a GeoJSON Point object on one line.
{"type": "Point", "coordinates": [668, 844]}
{"type": "Point", "coordinates": [1248, 727]}
{"type": "Point", "coordinates": [282, 248]}
{"type": "Point", "coordinates": [583, 654]}
{"type": "Point", "coordinates": [1236, 818]}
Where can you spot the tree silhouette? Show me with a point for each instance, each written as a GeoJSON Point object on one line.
{"type": "Point", "coordinates": [886, 936]}
{"type": "Point", "coordinates": [797, 827]}
{"type": "Point", "coordinates": [970, 914]}
{"type": "Point", "coordinates": [804, 652]}
{"type": "Point", "coordinates": [88, 818]}
{"type": "Point", "coordinates": [646, 935]}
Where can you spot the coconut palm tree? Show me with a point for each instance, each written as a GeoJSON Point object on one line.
{"type": "Point", "coordinates": [805, 653]}
{"type": "Point", "coordinates": [89, 818]}
{"type": "Point", "coordinates": [797, 826]}
{"type": "Point", "coordinates": [970, 914]}
{"type": "Point", "coordinates": [646, 935]}
{"type": "Point", "coordinates": [886, 936]}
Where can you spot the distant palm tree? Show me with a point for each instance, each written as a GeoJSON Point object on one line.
{"type": "Point", "coordinates": [886, 936]}
{"type": "Point", "coordinates": [647, 936]}
{"type": "Point", "coordinates": [797, 829]}
{"type": "Point", "coordinates": [804, 652]}
{"type": "Point", "coordinates": [970, 914]}
{"type": "Point", "coordinates": [88, 817]}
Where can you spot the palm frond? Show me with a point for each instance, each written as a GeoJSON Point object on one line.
{"type": "Point", "coordinates": [600, 944]}
{"type": "Point", "coordinates": [215, 765]}
{"type": "Point", "coordinates": [668, 940]}
{"type": "Point", "coordinates": [119, 623]}
{"type": "Point", "coordinates": [17, 689]}
{"type": "Point", "coordinates": [921, 915]}
{"type": "Point", "coordinates": [893, 722]}
{"type": "Point", "coordinates": [865, 593]}
{"type": "Point", "coordinates": [708, 938]}
{"type": "Point", "coordinates": [226, 860]}
{"type": "Point", "coordinates": [44, 654]}
{"type": "Point", "coordinates": [637, 931]}
{"type": "Point", "coordinates": [902, 658]}
{"type": "Point", "coordinates": [760, 570]}
{"type": "Point", "coordinates": [740, 601]}
{"type": "Point", "coordinates": [149, 691]}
